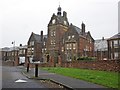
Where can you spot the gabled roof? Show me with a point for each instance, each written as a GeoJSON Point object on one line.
{"type": "Point", "coordinates": [101, 45]}
{"type": "Point", "coordinates": [36, 37]}
{"type": "Point", "coordinates": [115, 36]}
{"type": "Point", "coordinates": [75, 28]}
{"type": "Point", "coordinates": [79, 31]}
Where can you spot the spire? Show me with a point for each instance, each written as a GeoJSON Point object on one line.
{"type": "Point", "coordinates": [59, 11]}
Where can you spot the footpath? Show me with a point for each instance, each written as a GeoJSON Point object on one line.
{"type": "Point", "coordinates": [63, 80]}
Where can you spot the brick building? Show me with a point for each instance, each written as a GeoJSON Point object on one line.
{"type": "Point", "coordinates": [67, 42]}
{"type": "Point", "coordinates": [114, 47]}
{"type": "Point", "coordinates": [5, 53]}
{"type": "Point", "coordinates": [77, 43]}
{"type": "Point", "coordinates": [36, 44]}
{"type": "Point", "coordinates": [57, 26]}
{"type": "Point", "coordinates": [22, 54]}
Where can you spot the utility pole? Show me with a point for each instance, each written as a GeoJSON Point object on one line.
{"type": "Point", "coordinates": [14, 52]}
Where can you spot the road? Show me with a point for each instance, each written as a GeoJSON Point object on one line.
{"type": "Point", "coordinates": [13, 78]}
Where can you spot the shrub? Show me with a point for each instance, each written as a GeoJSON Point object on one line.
{"type": "Point", "coordinates": [86, 58]}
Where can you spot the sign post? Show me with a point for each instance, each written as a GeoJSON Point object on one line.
{"type": "Point", "coordinates": [36, 70]}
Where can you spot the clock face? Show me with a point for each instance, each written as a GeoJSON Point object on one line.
{"type": "Point", "coordinates": [65, 22]}
{"type": "Point", "coordinates": [53, 21]}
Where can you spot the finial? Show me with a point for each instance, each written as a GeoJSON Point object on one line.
{"type": "Point", "coordinates": [82, 22]}
{"type": "Point", "coordinates": [59, 3]}
{"type": "Point", "coordinates": [59, 10]}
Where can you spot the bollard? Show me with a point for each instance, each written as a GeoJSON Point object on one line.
{"type": "Point", "coordinates": [36, 70]}
{"type": "Point", "coordinates": [28, 67]}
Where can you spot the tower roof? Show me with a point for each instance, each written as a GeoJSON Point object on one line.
{"type": "Point", "coordinates": [59, 11]}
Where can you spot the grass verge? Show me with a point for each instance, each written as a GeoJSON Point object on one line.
{"type": "Point", "coordinates": [105, 78]}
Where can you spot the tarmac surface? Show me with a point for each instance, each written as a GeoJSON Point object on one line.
{"type": "Point", "coordinates": [13, 78]}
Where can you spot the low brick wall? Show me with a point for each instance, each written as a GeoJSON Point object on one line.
{"type": "Point", "coordinates": [7, 63]}
{"type": "Point", "coordinates": [104, 65]}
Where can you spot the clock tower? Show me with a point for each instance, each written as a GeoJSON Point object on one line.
{"type": "Point", "coordinates": [57, 26]}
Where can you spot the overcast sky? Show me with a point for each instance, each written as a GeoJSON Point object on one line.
{"type": "Point", "coordinates": [18, 18]}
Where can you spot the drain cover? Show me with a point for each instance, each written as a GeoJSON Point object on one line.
{"type": "Point", "coordinates": [20, 80]}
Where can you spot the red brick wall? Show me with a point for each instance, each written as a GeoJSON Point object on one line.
{"type": "Point", "coordinates": [104, 65]}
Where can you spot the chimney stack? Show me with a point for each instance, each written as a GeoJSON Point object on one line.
{"type": "Point", "coordinates": [64, 14]}
{"type": "Point", "coordinates": [83, 28]}
{"type": "Point", "coordinates": [41, 35]}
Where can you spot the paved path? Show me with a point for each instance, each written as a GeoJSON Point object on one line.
{"type": "Point", "coordinates": [10, 76]}
{"type": "Point", "coordinates": [70, 82]}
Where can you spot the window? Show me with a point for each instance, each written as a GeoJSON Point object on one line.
{"type": "Point", "coordinates": [73, 36]}
{"type": "Point", "coordinates": [20, 51]}
{"type": "Point", "coordinates": [90, 41]}
{"type": "Point", "coordinates": [51, 33]}
{"type": "Point", "coordinates": [90, 48]}
{"type": "Point", "coordinates": [116, 55]}
{"type": "Point", "coordinates": [45, 49]}
{"type": "Point", "coordinates": [32, 43]}
{"type": "Point", "coordinates": [52, 42]}
{"type": "Point", "coordinates": [44, 43]}
{"type": "Point", "coordinates": [70, 45]}
{"type": "Point", "coordinates": [67, 46]}
{"type": "Point", "coordinates": [74, 46]}
{"type": "Point", "coordinates": [115, 43]}
{"type": "Point", "coordinates": [42, 50]}
{"type": "Point", "coordinates": [63, 41]}
{"type": "Point", "coordinates": [111, 56]}
{"type": "Point", "coordinates": [69, 37]}
{"type": "Point", "coordinates": [62, 49]}
{"type": "Point", "coordinates": [54, 33]}
{"type": "Point", "coordinates": [111, 44]}
{"type": "Point", "coordinates": [4, 53]}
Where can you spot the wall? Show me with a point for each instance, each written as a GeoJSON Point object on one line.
{"type": "Point", "coordinates": [103, 65]}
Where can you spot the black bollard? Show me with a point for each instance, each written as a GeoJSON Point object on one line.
{"type": "Point", "coordinates": [36, 70]}
{"type": "Point", "coordinates": [28, 67]}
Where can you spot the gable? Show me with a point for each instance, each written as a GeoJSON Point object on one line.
{"type": "Point", "coordinates": [31, 38]}
{"type": "Point", "coordinates": [35, 38]}
{"type": "Point", "coordinates": [89, 36]}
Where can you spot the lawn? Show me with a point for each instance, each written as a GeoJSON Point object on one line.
{"type": "Point", "coordinates": [108, 79]}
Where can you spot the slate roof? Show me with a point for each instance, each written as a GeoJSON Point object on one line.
{"type": "Point", "coordinates": [23, 47]}
{"type": "Point", "coordinates": [37, 37]}
{"type": "Point", "coordinates": [79, 31]}
{"type": "Point", "coordinates": [115, 36]}
{"type": "Point", "coordinates": [101, 45]}
{"type": "Point", "coordinates": [5, 49]}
